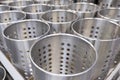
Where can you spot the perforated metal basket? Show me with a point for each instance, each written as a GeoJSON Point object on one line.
{"type": "Point", "coordinates": [84, 9]}
{"type": "Point", "coordinates": [2, 73]}
{"type": "Point", "coordinates": [4, 8]}
{"type": "Point", "coordinates": [7, 18]}
{"type": "Point", "coordinates": [59, 20]}
{"type": "Point", "coordinates": [104, 35]}
{"type": "Point", "coordinates": [109, 3]}
{"type": "Point", "coordinates": [112, 14]}
{"type": "Point", "coordinates": [60, 4]}
{"type": "Point", "coordinates": [62, 57]}
{"type": "Point", "coordinates": [19, 5]}
{"type": "Point", "coordinates": [36, 10]}
{"type": "Point", "coordinates": [19, 37]}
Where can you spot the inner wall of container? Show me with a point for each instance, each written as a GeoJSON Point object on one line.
{"type": "Point", "coordinates": [20, 3]}
{"type": "Point", "coordinates": [110, 13]}
{"type": "Point", "coordinates": [59, 16]}
{"type": "Point", "coordinates": [89, 7]}
{"type": "Point", "coordinates": [97, 29]}
{"type": "Point", "coordinates": [36, 8]}
{"type": "Point", "coordinates": [26, 30]}
{"type": "Point", "coordinates": [2, 73]}
{"type": "Point", "coordinates": [6, 17]}
{"type": "Point", "coordinates": [63, 55]}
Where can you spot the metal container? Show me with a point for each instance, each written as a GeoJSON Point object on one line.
{"type": "Point", "coordinates": [36, 10]}
{"type": "Point", "coordinates": [104, 35]}
{"type": "Point", "coordinates": [19, 37]}
{"type": "Point", "coordinates": [62, 57]}
{"type": "Point", "coordinates": [60, 4]}
{"type": "Point", "coordinates": [59, 20]}
{"type": "Point", "coordinates": [84, 9]}
{"type": "Point", "coordinates": [4, 8]}
{"type": "Point", "coordinates": [19, 5]}
{"type": "Point", "coordinates": [7, 18]}
{"type": "Point", "coordinates": [2, 73]}
{"type": "Point", "coordinates": [112, 14]}
{"type": "Point", "coordinates": [109, 3]}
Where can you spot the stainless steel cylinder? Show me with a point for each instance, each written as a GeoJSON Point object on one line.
{"type": "Point", "coordinates": [60, 4]}
{"type": "Point", "coordinates": [8, 18]}
{"type": "Point", "coordinates": [2, 73]}
{"type": "Point", "coordinates": [112, 14]}
{"type": "Point", "coordinates": [84, 9]}
{"type": "Point", "coordinates": [104, 35]}
{"type": "Point", "coordinates": [19, 37]}
{"type": "Point", "coordinates": [19, 5]}
{"type": "Point", "coordinates": [59, 20]}
{"type": "Point", "coordinates": [36, 10]}
{"type": "Point", "coordinates": [109, 3]}
{"type": "Point", "coordinates": [62, 57]}
{"type": "Point", "coordinates": [4, 8]}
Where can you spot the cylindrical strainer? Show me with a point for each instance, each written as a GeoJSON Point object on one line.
{"type": "Point", "coordinates": [35, 11]}
{"type": "Point", "coordinates": [60, 4]}
{"type": "Point", "coordinates": [59, 20]}
{"type": "Point", "coordinates": [4, 8]}
{"type": "Point", "coordinates": [2, 73]}
{"type": "Point", "coordinates": [62, 57]}
{"type": "Point", "coordinates": [19, 37]}
{"type": "Point", "coordinates": [109, 3]}
{"type": "Point", "coordinates": [19, 5]}
{"type": "Point", "coordinates": [105, 36]}
{"type": "Point", "coordinates": [7, 18]}
{"type": "Point", "coordinates": [84, 9]}
{"type": "Point", "coordinates": [112, 14]}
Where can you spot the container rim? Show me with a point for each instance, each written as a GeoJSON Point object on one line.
{"type": "Point", "coordinates": [4, 72]}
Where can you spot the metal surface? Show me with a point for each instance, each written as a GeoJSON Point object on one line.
{"type": "Point", "coordinates": [9, 67]}
{"type": "Point", "coordinates": [62, 57]}
{"type": "Point", "coordinates": [112, 14]}
{"type": "Point", "coordinates": [109, 3]}
{"type": "Point", "coordinates": [59, 20]}
{"type": "Point", "coordinates": [60, 4]}
{"type": "Point", "coordinates": [7, 18]}
{"type": "Point", "coordinates": [42, 1]}
{"type": "Point", "coordinates": [104, 35]}
{"type": "Point", "coordinates": [2, 73]}
{"type": "Point", "coordinates": [19, 38]}
{"type": "Point", "coordinates": [86, 1]}
{"type": "Point", "coordinates": [19, 5]}
{"type": "Point", "coordinates": [4, 8]}
{"type": "Point", "coordinates": [36, 10]}
{"type": "Point", "coordinates": [84, 9]}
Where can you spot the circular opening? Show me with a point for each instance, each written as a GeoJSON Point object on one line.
{"type": "Point", "coordinates": [66, 55]}
{"type": "Point", "coordinates": [84, 7]}
{"type": "Point", "coordinates": [57, 16]}
{"type": "Point", "coordinates": [110, 13]}
{"type": "Point", "coordinates": [36, 8]}
{"type": "Point", "coordinates": [20, 3]}
{"type": "Point", "coordinates": [2, 73]}
{"type": "Point", "coordinates": [10, 16]}
{"type": "Point", "coordinates": [25, 30]}
{"type": "Point", "coordinates": [96, 28]}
